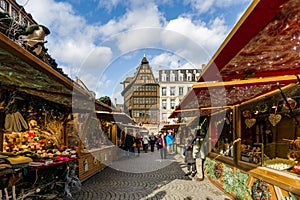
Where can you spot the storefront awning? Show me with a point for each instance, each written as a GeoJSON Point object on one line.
{"type": "Point", "coordinates": [262, 48]}
{"type": "Point", "coordinates": [117, 117]}
{"type": "Point", "coordinates": [208, 98]}
{"type": "Point", "coordinates": [265, 42]}
{"type": "Point", "coordinates": [24, 72]}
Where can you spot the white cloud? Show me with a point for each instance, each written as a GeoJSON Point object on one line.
{"type": "Point", "coordinates": [145, 16]}
{"type": "Point", "coordinates": [208, 6]}
{"type": "Point", "coordinates": [73, 42]}
{"type": "Point", "coordinates": [207, 36]}
{"type": "Point", "coordinates": [71, 38]}
{"type": "Point", "coordinates": [109, 4]}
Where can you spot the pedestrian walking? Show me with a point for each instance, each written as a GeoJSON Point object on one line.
{"type": "Point", "coordinates": [201, 150]}
{"type": "Point", "coordinates": [152, 141]}
{"type": "Point", "coordinates": [128, 144]}
{"type": "Point", "coordinates": [169, 141]}
{"type": "Point", "coordinates": [189, 158]}
{"type": "Point", "coordinates": [146, 143]}
{"type": "Point", "coordinates": [138, 143]}
{"type": "Point", "coordinates": [162, 145]}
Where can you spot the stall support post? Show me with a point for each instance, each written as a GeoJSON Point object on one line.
{"type": "Point", "coordinates": [1, 140]}
{"type": "Point", "coordinates": [236, 129]}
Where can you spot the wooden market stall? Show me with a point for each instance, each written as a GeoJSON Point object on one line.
{"type": "Point", "coordinates": [36, 102]}
{"type": "Point", "coordinates": [101, 132]}
{"type": "Point", "coordinates": [44, 120]}
{"type": "Point", "coordinates": [250, 99]}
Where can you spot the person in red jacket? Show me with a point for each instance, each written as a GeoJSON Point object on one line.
{"type": "Point", "coordinates": [162, 145]}
{"type": "Point", "coordinates": [138, 143]}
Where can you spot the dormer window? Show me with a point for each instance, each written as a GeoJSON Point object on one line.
{"type": "Point", "coordinates": [3, 5]}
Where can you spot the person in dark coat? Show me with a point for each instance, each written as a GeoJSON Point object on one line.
{"type": "Point", "coordinates": [152, 141]}
{"type": "Point", "coordinates": [128, 144]}
{"type": "Point", "coordinates": [189, 158]}
{"type": "Point", "coordinates": [138, 143]}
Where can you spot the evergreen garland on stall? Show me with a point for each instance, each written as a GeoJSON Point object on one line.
{"type": "Point", "coordinates": [260, 190]}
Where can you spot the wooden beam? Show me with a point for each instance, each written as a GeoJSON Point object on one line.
{"type": "Point", "coordinates": [252, 81]}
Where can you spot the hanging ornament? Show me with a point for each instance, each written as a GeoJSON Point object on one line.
{"type": "Point", "coordinates": [246, 113]}
{"type": "Point", "coordinates": [250, 122]}
{"type": "Point", "coordinates": [263, 108]}
{"type": "Point", "coordinates": [274, 119]}
{"type": "Point", "coordinates": [291, 102]}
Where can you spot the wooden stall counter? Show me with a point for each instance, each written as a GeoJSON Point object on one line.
{"type": "Point", "coordinates": [93, 161]}
{"type": "Point", "coordinates": [250, 181]}
{"type": "Point", "coordinates": [282, 181]}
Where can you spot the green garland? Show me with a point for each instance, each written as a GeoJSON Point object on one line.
{"type": "Point", "coordinates": [232, 182]}
{"type": "Point", "coordinates": [260, 190]}
{"type": "Point", "coordinates": [236, 183]}
{"type": "Point", "coordinates": [209, 168]}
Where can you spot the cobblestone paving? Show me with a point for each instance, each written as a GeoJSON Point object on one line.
{"type": "Point", "coordinates": [147, 178]}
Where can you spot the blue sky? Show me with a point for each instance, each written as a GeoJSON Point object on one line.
{"type": "Point", "coordinates": [103, 41]}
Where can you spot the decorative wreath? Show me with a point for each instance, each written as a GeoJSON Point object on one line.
{"type": "Point", "coordinates": [218, 170]}
{"type": "Point", "coordinates": [260, 190]}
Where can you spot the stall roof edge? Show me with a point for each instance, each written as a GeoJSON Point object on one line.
{"type": "Point", "coordinates": [257, 16]}
{"type": "Point", "coordinates": [35, 62]}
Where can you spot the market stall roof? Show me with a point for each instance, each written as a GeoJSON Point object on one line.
{"type": "Point", "coordinates": [172, 126]}
{"type": "Point", "coordinates": [210, 97]}
{"type": "Point", "coordinates": [264, 42]}
{"type": "Point", "coordinates": [24, 72]}
{"type": "Point", "coordinates": [117, 117]}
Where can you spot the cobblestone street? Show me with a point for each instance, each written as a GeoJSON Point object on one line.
{"type": "Point", "coordinates": [147, 177]}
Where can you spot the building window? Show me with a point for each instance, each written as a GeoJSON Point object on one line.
{"type": "Point", "coordinates": [15, 15]}
{"type": "Point", "coordinates": [163, 91]}
{"type": "Point", "coordinates": [172, 77]}
{"type": "Point", "coordinates": [135, 101]}
{"type": "Point", "coordinates": [189, 77]}
{"type": "Point", "coordinates": [172, 91]}
{"type": "Point", "coordinates": [153, 100]}
{"type": "Point", "coordinates": [153, 88]}
{"type": "Point", "coordinates": [147, 100]}
{"type": "Point", "coordinates": [148, 113]}
{"type": "Point", "coordinates": [172, 103]}
{"type": "Point", "coordinates": [24, 22]}
{"type": "Point", "coordinates": [153, 115]}
{"type": "Point", "coordinates": [189, 88]}
{"type": "Point", "coordinates": [3, 5]}
{"type": "Point", "coordinates": [180, 91]}
{"type": "Point", "coordinates": [181, 77]}
{"type": "Point", "coordinates": [142, 100]}
{"type": "Point", "coordinates": [135, 113]}
{"type": "Point", "coordinates": [164, 104]}
{"type": "Point", "coordinates": [141, 114]}
{"type": "Point", "coordinates": [148, 88]}
{"type": "Point", "coordinates": [145, 77]}
{"type": "Point", "coordinates": [163, 77]}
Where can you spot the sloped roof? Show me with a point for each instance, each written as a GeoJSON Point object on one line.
{"type": "Point", "coordinates": [261, 44]}
{"type": "Point", "coordinates": [133, 79]}
{"type": "Point", "coordinates": [264, 43]}
{"type": "Point", "coordinates": [22, 71]}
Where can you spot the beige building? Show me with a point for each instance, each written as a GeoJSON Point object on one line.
{"type": "Point", "coordinates": [174, 84]}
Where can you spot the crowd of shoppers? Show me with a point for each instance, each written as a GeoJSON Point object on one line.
{"type": "Point", "coordinates": [162, 141]}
